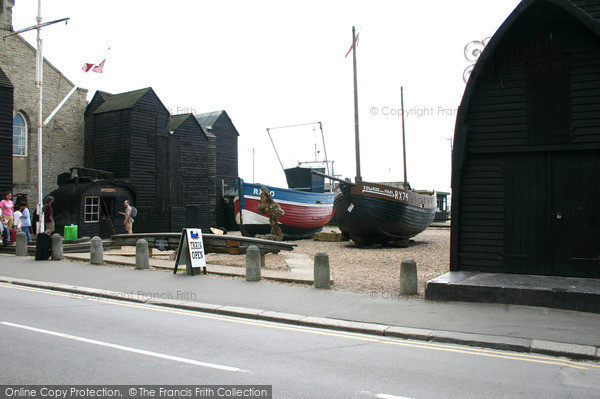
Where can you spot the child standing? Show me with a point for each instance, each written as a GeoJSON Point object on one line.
{"type": "Point", "coordinates": [25, 219]}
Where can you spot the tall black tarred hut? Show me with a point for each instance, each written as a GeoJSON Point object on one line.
{"type": "Point", "coordinates": [191, 174]}
{"type": "Point", "coordinates": [526, 161]}
{"type": "Point", "coordinates": [6, 133]}
{"type": "Point", "coordinates": [127, 134]}
{"type": "Point", "coordinates": [219, 124]}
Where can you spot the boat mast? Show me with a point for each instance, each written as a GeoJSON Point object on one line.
{"type": "Point", "coordinates": [403, 136]}
{"type": "Point", "coordinates": [356, 140]}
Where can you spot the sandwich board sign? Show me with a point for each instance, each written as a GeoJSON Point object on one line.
{"type": "Point", "coordinates": [191, 252]}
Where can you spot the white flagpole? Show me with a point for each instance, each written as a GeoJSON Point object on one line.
{"type": "Point", "coordinates": [40, 84]}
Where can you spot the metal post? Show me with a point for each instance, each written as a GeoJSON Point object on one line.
{"type": "Point", "coordinates": [403, 136]}
{"type": "Point", "coordinates": [325, 149]}
{"type": "Point", "coordinates": [39, 69]}
{"type": "Point", "coordinates": [356, 138]}
{"type": "Point", "coordinates": [40, 84]}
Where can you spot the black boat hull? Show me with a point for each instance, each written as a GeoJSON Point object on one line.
{"type": "Point", "coordinates": [372, 213]}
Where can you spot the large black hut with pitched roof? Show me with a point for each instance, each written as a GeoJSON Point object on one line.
{"type": "Point", "coordinates": [6, 133]}
{"type": "Point", "coordinates": [219, 124]}
{"type": "Point", "coordinates": [526, 161]}
{"type": "Point", "coordinates": [127, 134]}
{"type": "Point", "coordinates": [191, 174]}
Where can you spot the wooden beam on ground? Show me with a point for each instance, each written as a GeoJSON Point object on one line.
{"type": "Point", "coordinates": [234, 245]}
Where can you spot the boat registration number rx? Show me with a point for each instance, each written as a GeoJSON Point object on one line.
{"type": "Point", "coordinates": [395, 194]}
{"type": "Point", "coordinates": [257, 192]}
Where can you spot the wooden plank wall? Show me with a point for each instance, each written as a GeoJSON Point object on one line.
{"type": "Point", "coordinates": [498, 124]}
{"type": "Point", "coordinates": [226, 168]}
{"type": "Point", "coordinates": [148, 142]}
{"type": "Point", "coordinates": [190, 180]}
{"type": "Point", "coordinates": [106, 143]}
{"type": "Point", "coordinates": [227, 151]}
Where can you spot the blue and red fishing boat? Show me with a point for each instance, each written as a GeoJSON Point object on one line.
{"type": "Point", "coordinates": [306, 206]}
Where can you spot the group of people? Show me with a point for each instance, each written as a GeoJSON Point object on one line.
{"type": "Point", "coordinates": [16, 217]}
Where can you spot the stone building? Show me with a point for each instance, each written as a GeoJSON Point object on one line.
{"type": "Point", "coordinates": [63, 136]}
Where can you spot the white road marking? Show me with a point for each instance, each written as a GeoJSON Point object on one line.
{"type": "Point", "coordinates": [127, 349]}
{"type": "Point", "coordinates": [384, 395]}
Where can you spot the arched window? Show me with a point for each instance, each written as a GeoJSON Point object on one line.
{"type": "Point", "coordinates": [19, 135]}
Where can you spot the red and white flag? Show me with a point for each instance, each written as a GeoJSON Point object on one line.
{"type": "Point", "coordinates": [87, 67]}
{"type": "Point", "coordinates": [352, 47]}
{"type": "Point", "coordinates": [100, 67]}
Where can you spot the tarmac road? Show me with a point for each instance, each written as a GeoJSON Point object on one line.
{"type": "Point", "coordinates": [49, 337]}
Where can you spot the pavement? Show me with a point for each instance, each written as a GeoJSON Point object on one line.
{"type": "Point", "coordinates": [508, 327]}
{"type": "Point", "coordinates": [301, 266]}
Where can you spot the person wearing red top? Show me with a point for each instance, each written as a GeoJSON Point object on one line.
{"type": "Point", "coordinates": [7, 209]}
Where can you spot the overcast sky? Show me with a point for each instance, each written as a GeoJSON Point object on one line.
{"type": "Point", "coordinates": [273, 63]}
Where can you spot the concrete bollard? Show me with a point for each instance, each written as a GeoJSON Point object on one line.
{"type": "Point", "coordinates": [57, 247]}
{"type": "Point", "coordinates": [253, 263]}
{"type": "Point", "coordinates": [408, 277]}
{"type": "Point", "coordinates": [96, 251]}
{"type": "Point", "coordinates": [21, 244]}
{"type": "Point", "coordinates": [142, 255]}
{"type": "Point", "coordinates": [322, 274]}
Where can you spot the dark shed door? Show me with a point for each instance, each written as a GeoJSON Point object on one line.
{"type": "Point", "coordinates": [552, 224]}
{"type": "Point", "coordinates": [575, 214]}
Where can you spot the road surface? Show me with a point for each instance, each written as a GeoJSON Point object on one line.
{"type": "Point", "coordinates": [49, 337]}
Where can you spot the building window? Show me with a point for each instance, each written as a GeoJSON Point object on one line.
{"type": "Point", "coordinates": [19, 135]}
{"type": "Point", "coordinates": [92, 209]}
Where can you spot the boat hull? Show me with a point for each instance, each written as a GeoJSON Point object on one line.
{"type": "Point", "coordinates": [372, 213]}
{"type": "Point", "coordinates": [304, 214]}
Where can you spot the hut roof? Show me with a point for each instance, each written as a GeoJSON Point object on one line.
{"type": "Point", "coordinates": [74, 191]}
{"type": "Point", "coordinates": [176, 120]}
{"type": "Point", "coordinates": [4, 80]}
{"type": "Point", "coordinates": [208, 119]}
{"type": "Point", "coordinates": [121, 101]}
{"type": "Point", "coordinates": [105, 95]}
{"type": "Point", "coordinates": [585, 11]}
{"type": "Point", "coordinates": [591, 7]}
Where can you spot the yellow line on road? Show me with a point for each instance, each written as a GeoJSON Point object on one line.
{"type": "Point", "coordinates": [455, 348]}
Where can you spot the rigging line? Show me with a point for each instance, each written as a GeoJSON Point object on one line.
{"type": "Point", "coordinates": [300, 124]}
{"type": "Point", "coordinates": [275, 148]}
{"type": "Point", "coordinates": [324, 147]}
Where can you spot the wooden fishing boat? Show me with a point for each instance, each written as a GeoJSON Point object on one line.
{"type": "Point", "coordinates": [307, 208]}
{"type": "Point", "coordinates": [371, 213]}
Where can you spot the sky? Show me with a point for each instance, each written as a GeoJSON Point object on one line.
{"type": "Point", "coordinates": [279, 63]}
